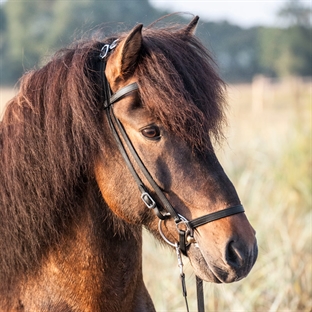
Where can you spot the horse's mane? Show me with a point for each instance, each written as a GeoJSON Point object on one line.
{"type": "Point", "coordinates": [49, 136]}
{"type": "Point", "coordinates": [51, 133]}
{"type": "Point", "coordinates": [180, 85]}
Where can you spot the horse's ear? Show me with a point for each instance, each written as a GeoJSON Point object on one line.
{"type": "Point", "coordinates": [123, 61]}
{"type": "Point", "coordinates": [190, 29]}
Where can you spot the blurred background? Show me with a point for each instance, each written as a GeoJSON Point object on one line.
{"type": "Point", "coordinates": [248, 38]}
{"type": "Point", "coordinates": [264, 52]}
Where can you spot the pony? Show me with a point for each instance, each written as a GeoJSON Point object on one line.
{"type": "Point", "coordinates": [71, 214]}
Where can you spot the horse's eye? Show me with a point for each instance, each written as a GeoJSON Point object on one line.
{"type": "Point", "coordinates": [151, 132]}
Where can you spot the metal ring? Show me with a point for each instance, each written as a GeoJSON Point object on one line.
{"type": "Point", "coordinates": [113, 44]}
{"type": "Point", "coordinates": [163, 235]}
{"type": "Point", "coordinates": [184, 220]}
{"type": "Point", "coordinates": [108, 47]}
{"type": "Point", "coordinates": [104, 51]}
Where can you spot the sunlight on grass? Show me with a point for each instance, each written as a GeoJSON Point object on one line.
{"type": "Point", "coordinates": [268, 158]}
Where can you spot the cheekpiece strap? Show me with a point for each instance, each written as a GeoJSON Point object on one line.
{"type": "Point", "coordinates": [106, 91]}
{"type": "Point", "coordinates": [110, 98]}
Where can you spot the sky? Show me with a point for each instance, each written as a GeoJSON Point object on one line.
{"type": "Point", "coordinates": [245, 13]}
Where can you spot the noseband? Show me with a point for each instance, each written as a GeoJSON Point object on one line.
{"type": "Point", "coordinates": [185, 228]}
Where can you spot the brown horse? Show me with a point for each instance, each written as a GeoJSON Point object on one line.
{"type": "Point", "coordinates": [71, 213]}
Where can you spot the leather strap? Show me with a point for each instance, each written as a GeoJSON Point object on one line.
{"type": "Point", "coordinates": [200, 294]}
{"type": "Point", "coordinates": [122, 92]}
{"type": "Point", "coordinates": [215, 216]}
{"type": "Point", "coordinates": [121, 148]}
{"type": "Point", "coordinates": [163, 199]}
{"type": "Point", "coordinates": [145, 196]}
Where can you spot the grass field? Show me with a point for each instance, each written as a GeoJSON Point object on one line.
{"type": "Point", "coordinates": [268, 158]}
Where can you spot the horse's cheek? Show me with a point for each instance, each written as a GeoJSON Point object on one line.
{"type": "Point", "coordinates": [117, 196]}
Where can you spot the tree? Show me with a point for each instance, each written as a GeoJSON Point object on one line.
{"type": "Point", "coordinates": [3, 28]}
{"type": "Point", "coordinates": [295, 13]}
{"type": "Point", "coordinates": [288, 51]}
{"type": "Point", "coordinates": [35, 29]}
{"type": "Point", "coordinates": [235, 49]}
{"type": "Point", "coordinates": [32, 30]}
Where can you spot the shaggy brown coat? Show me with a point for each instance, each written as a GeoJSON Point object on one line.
{"type": "Point", "coordinates": [52, 131]}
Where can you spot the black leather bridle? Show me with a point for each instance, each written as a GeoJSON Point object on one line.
{"type": "Point", "coordinates": [185, 227]}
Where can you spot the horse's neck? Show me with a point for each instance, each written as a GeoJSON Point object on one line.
{"type": "Point", "coordinates": [93, 269]}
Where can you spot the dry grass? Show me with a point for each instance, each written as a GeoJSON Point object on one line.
{"type": "Point", "coordinates": [268, 157]}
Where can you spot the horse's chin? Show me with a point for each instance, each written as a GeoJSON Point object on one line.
{"type": "Point", "coordinates": [208, 270]}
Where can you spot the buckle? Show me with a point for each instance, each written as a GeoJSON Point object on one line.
{"type": "Point", "coordinates": [184, 228]}
{"type": "Point", "coordinates": [148, 200]}
{"type": "Point", "coordinates": [107, 48]}
{"type": "Point", "coordinates": [183, 224]}
{"type": "Point", "coordinates": [104, 51]}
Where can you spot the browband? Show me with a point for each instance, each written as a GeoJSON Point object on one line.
{"type": "Point", "coordinates": [121, 93]}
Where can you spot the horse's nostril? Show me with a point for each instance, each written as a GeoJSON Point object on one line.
{"type": "Point", "coordinates": [234, 256]}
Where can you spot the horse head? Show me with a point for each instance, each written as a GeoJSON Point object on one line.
{"type": "Point", "coordinates": [171, 119]}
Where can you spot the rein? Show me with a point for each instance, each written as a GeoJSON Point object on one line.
{"type": "Point", "coordinates": [185, 228]}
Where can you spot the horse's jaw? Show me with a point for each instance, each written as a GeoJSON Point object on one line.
{"type": "Point", "coordinates": [214, 264]}
{"type": "Point", "coordinates": [213, 271]}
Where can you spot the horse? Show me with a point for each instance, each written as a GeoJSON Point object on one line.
{"type": "Point", "coordinates": [108, 137]}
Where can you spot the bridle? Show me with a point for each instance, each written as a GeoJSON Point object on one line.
{"type": "Point", "coordinates": [185, 228]}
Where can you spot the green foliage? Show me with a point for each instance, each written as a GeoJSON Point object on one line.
{"type": "Point", "coordinates": [286, 52]}
{"type": "Point", "coordinates": [235, 49]}
{"type": "Point", "coordinates": [32, 30]}
{"type": "Point", "coordinates": [3, 21]}
{"type": "Point", "coordinates": [295, 13]}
